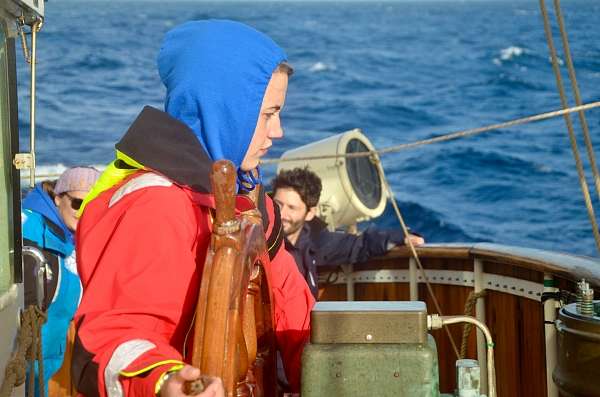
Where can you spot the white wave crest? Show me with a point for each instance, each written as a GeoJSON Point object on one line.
{"type": "Point", "coordinates": [508, 54]}
{"type": "Point", "coordinates": [321, 67]}
{"type": "Point", "coordinates": [511, 52]}
{"type": "Point", "coordinates": [558, 60]}
{"type": "Point", "coordinates": [524, 12]}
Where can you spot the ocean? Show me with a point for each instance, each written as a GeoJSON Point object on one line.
{"type": "Point", "coordinates": [401, 71]}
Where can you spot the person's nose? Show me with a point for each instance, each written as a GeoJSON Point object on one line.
{"type": "Point", "coordinates": [283, 213]}
{"type": "Point", "coordinates": [276, 130]}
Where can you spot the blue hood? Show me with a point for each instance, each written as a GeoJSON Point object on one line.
{"type": "Point", "coordinates": [216, 73]}
{"type": "Point", "coordinates": [38, 200]}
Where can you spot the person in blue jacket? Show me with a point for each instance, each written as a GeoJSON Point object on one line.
{"type": "Point", "coordinates": [307, 238]}
{"type": "Point", "coordinates": [49, 217]}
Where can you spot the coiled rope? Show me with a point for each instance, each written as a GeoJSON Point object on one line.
{"type": "Point", "coordinates": [469, 305]}
{"type": "Point", "coordinates": [28, 349]}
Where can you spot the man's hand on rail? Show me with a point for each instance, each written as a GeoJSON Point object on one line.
{"type": "Point", "coordinates": [414, 239]}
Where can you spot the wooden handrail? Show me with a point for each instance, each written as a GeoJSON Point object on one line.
{"type": "Point", "coordinates": [567, 266]}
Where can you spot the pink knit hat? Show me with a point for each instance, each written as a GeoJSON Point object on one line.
{"type": "Point", "coordinates": [76, 178]}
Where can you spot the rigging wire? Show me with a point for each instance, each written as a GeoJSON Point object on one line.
{"type": "Point", "coordinates": [35, 28]}
{"type": "Point", "coordinates": [429, 141]}
{"type": "Point", "coordinates": [443, 138]}
{"type": "Point", "coordinates": [569, 123]}
{"type": "Point", "coordinates": [413, 251]}
{"type": "Point", "coordinates": [577, 95]}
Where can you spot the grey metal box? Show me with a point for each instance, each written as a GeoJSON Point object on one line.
{"type": "Point", "coordinates": [366, 370]}
{"type": "Point", "coordinates": [369, 322]}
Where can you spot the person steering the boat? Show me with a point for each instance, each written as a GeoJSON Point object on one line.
{"type": "Point", "coordinates": [144, 233]}
{"type": "Point", "coordinates": [297, 193]}
{"type": "Point", "coordinates": [49, 217]}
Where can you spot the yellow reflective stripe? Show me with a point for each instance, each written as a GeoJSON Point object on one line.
{"type": "Point", "coordinates": [276, 239]}
{"type": "Point", "coordinates": [123, 157]}
{"type": "Point", "coordinates": [188, 334]}
{"type": "Point", "coordinates": [152, 366]}
{"type": "Point", "coordinates": [110, 177]}
{"type": "Point", "coordinates": [161, 379]}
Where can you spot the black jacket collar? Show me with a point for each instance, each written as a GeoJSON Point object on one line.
{"type": "Point", "coordinates": [168, 146]}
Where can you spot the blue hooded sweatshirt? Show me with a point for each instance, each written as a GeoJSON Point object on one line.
{"type": "Point", "coordinates": [216, 73]}
{"type": "Point", "coordinates": [42, 227]}
{"type": "Point", "coordinates": [38, 201]}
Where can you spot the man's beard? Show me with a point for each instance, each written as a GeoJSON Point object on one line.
{"type": "Point", "coordinates": [292, 227]}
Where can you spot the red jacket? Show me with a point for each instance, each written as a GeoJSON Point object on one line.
{"type": "Point", "coordinates": [141, 248]}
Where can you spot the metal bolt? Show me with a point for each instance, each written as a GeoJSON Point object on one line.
{"type": "Point", "coordinates": [338, 374]}
{"type": "Point", "coordinates": [587, 303]}
{"type": "Point", "coordinates": [396, 374]}
{"type": "Point", "coordinates": [369, 337]}
{"type": "Point", "coordinates": [585, 299]}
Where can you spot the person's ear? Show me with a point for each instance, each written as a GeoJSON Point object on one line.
{"type": "Point", "coordinates": [312, 212]}
{"type": "Point", "coordinates": [56, 200]}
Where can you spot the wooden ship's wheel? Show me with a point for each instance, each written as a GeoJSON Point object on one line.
{"type": "Point", "coordinates": [233, 334]}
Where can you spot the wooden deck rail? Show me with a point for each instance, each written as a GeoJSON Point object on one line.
{"type": "Point", "coordinates": [568, 266]}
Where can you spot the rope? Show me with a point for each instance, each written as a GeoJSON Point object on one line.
{"type": "Point", "coordinates": [20, 24]}
{"type": "Point", "coordinates": [28, 349]}
{"type": "Point", "coordinates": [572, 138]}
{"type": "Point", "coordinates": [410, 145]}
{"type": "Point", "coordinates": [443, 138]}
{"type": "Point", "coordinates": [392, 199]}
{"type": "Point", "coordinates": [577, 95]}
{"type": "Point", "coordinates": [35, 28]}
{"type": "Point", "coordinates": [469, 305]}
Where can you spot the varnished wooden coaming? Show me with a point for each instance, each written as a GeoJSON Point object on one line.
{"type": "Point", "coordinates": [516, 322]}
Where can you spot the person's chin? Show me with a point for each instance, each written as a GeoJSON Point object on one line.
{"type": "Point", "coordinates": [249, 165]}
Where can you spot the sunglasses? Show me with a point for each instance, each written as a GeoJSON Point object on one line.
{"type": "Point", "coordinates": [75, 202]}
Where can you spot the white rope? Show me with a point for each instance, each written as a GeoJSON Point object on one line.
{"type": "Point", "coordinates": [446, 137]}
{"type": "Point", "coordinates": [405, 146]}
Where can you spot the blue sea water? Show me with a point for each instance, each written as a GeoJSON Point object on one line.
{"type": "Point", "coordinates": [401, 71]}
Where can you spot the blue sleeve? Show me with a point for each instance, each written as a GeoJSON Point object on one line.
{"type": "Point", "coordinates": [33, 227]}
{"type": "Point", "coordinates": [34, 234]}
{"type": "Point", "coordinates": [338, 248]}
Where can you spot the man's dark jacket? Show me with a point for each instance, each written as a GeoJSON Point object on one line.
{"type": "Point", "coordinates": [317, 246]}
